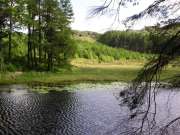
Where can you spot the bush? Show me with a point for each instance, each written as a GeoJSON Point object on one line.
{"type": "Point", "coordinates": [10, 67]}
{"type": "Point", "coordinates": [2, 65]}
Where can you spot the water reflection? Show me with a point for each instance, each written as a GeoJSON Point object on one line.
{"type": "Point", "coordinates": [91, 109]}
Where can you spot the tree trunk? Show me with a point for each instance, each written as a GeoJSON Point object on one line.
{"type": "Point", "coordinates": [40, 36]}
{"type": "Point", "coordinates": [34, 50]}
{"type": "Point", "coordinates": [10, 32]}
{"type": "Point", "coordinates": [30, 63]}
{"type": "Point", "coordinates": [49, 61]}
{"type": "Point", "coordinates": [10, 40]}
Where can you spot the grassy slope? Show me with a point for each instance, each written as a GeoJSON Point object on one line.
{"type": "Point", "coordinates": [88, 50]}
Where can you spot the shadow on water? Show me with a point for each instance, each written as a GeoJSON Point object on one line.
{"type": "Point", "coordinates": [86, 109]}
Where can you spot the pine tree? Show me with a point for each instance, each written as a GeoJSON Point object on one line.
{"type": "Point", "coordinates": [48, 31]}
{"type": "Point", "coordinates": [66, 7]}
{"type": "Point", "coordinates": [3, 22]}
{"type": "Point", "coordinates": [3, 19]}
{"type": "Point", "coordinates": [56, 30]}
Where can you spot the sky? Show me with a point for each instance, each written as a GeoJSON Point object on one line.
{"type": "Point", "coordinates": [100, 24]}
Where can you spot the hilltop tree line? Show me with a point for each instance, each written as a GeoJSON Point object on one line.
{"type": "Point", "coordinates": [148, 40]}
{"type": "Point", "coordinates": [47, 32]}
{"type": "Point", "coordinates": [131, 40]}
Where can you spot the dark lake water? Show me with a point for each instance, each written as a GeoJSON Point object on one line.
{"type": "Point", "coordinates": [86, 109]}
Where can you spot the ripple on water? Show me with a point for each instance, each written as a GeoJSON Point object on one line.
{"type": "Point", "coordinates": [90, 110]}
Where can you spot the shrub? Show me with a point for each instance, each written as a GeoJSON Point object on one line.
{"type": "Point", "coordinates": [10, 67]}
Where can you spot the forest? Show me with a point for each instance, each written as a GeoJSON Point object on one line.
{"type": "Point", "coordinates": [147, 40]}
{"type": "Point", "coordinates": [35, 33]}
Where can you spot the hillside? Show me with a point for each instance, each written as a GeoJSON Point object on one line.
{"type": "Point", "coordinates": [89, 50]}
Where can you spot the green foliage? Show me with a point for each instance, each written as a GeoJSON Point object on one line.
{"type": "Point", "coordinates": [2, 68]}
{"type": "Point", "coordinates": [48, 37]}
{"type": "Point", "coordinates": [19, 48]}
{"type": "Point", "coordinates": [131, 40]}
{"type": "Point", "coordinates": [159, 36]}
{"type": "Point", "coordinates": [103, 53]}
{"type": "Point", "coordinates": [66, 7]}
{"type": "Point", "coordinates": [10, 67]}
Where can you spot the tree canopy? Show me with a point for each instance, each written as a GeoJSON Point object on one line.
{"type": "Point", "coordinates": [132, 40]}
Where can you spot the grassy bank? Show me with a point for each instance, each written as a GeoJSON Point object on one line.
{"type": "Point", "coordinates": [80, 74]}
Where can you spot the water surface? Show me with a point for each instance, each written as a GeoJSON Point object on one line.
{"type": "Point", "coordinates": [86, 109]}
